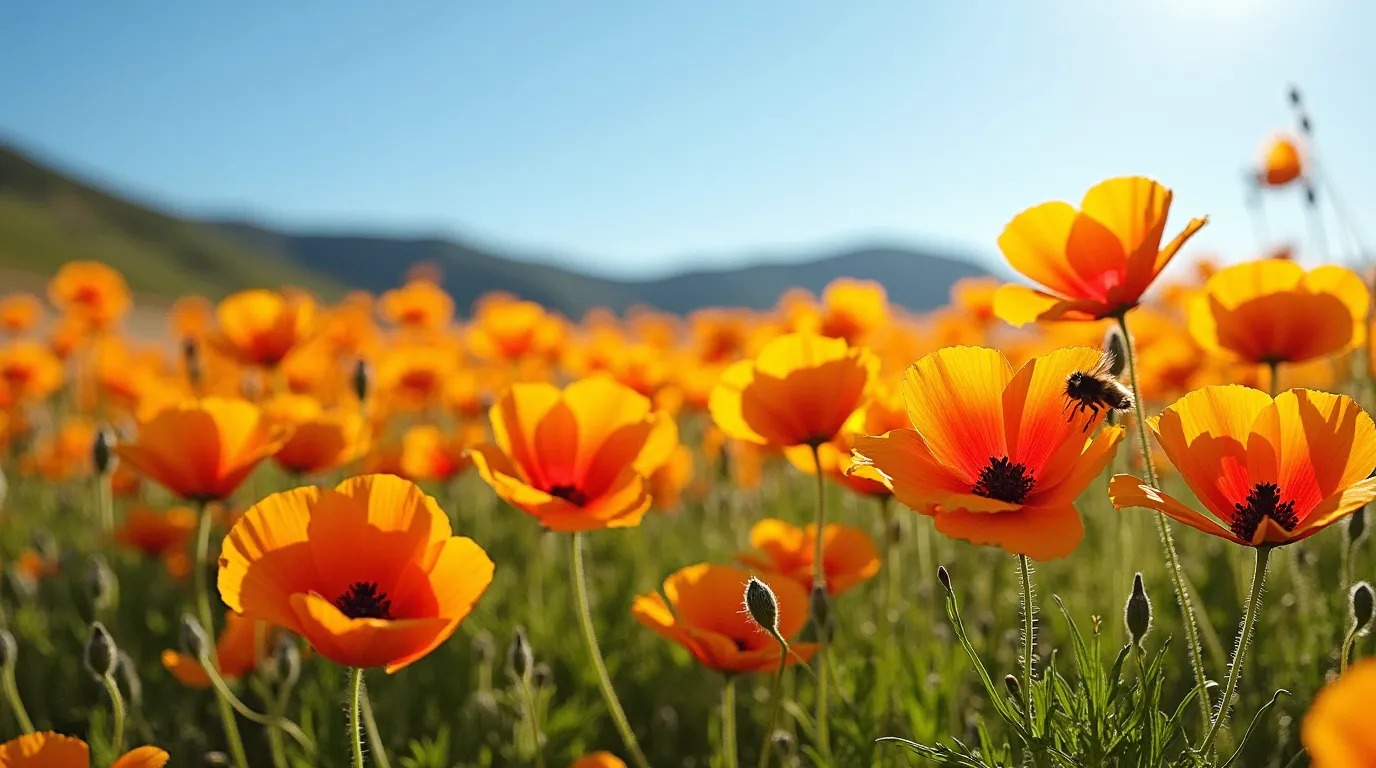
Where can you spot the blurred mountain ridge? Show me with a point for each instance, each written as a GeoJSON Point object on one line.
{"type": "Point", "coordinates": [48, 217]}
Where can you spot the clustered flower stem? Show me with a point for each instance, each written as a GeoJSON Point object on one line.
{"type": "Point", "coordinates": [580, 593]}
{"type": "Point", "coordinates": [728, 721]}
{"type": "Point", "coordinates": [375, 735]}
{"type": "Point", "coordinates": [1239, 654]}
{"type": "Point", "coordinates": [355, 729]}
{"type": "Point", "coordinates": [236, 742]}
{"type": "Point", "coordinates": [21, 715]}
{"type": "Point", "coordinates": [1178, 583]}
{"type": "Point", "coordinates": [117, 705]}
{"type": "Point", "coordinates": [1028, 641]}
{"type": "Point", "coordinates": [533, 718]}
{"type": "Point", "coordinates": [819, 581]}
{"type": "Point", "coordinates": [273, 720]}
{"type": "Point", "coordinates": [775, 701]}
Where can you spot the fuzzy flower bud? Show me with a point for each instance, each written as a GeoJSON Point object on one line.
{"type": "Point", "coordinates": [101, 653]}
{"type": "Point", "coordinates": [1362, 601]}
{"type": "Point", "coordinates": [762, 606]}
{"type": "Point", "coordinates": [820, 604]}
{"type": "Point", "coordinates": [520, 659]}
{"type": "Point", "coordinates": [1014, 687]}
{"type": "Point", "coordinates": [361, 380]}
{"type": "Point", "coordinates": [943, 576]}
{"type": "Point", "coordinates": [1137, 612]}
{"type": "Point", "coordinates": [103, 451]}
{"type": "Point", "coordinates": [1117, 350]}
{"type": "Point", "coordinates": [101, 586]}
{"type": "Point", "coordinates": [191, 357]}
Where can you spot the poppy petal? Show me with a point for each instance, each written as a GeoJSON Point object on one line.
{"type": "Point", "coordinates": [142, 757]}
{"type": "Point", "coordinates": [955, 401]}
{"type": "Point", "coordinates": [1312, 444]}
{"type": "Point", "coordinates": [727, 407]}
{"type": "Point", "coordinates": [849, 557]}
{"type": "Point", "coordinates": [1133, 210]}
{"type": "Point", "coordinates": [1173, 247]}
{"type": "Point", "coordinates": [904, 461]}
{"type": "Point", "coordinates": [366, 643]}
{"type": "Point", "coordinates": [1035, 407]}
{"type": "Point", "coordinates": [514, 419]}
{"type": "Point", "coordinates": [1126, 491]}
{"type": "Point", "coordinates": [1035, 243]}
{"type": "Point", "coordinates": [1205, 435]}
{"type": "Point", "coordinates": [1336, 507]}
{"type": "Point", "coordinates": [1041, 533]}
{"type": "Point", "coordinates": [462, 572]}
{"type": "Point", "coordinates": [1088, 466]}
{"type": "Point", "coordinates": [1019, 305]}
{"type": "Point", "coordinates": [266, 557]}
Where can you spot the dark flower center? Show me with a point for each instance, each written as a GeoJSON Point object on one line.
{"type": "Point", "coordinates": [1005, 481]}
{"type": "Point", "coordinates": [363, 600]}
{"type": "Point", "coordinates": [570, 493]}
{"type": "Point", "coordinates": [740, 645]}
{"type": "Point", "coordinates": [1263, 502]}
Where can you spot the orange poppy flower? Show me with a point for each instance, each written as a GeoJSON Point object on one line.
{"type": "Point", "coordinates": [465, 394]}
{"type": "Point", "coordinates": [1337, 729]}
{"type": "Point", "coordinates": [1273, 311]}
{"type": "Point", "coordinates": [703, 614]}
{"type": "Point", "coordinates": [853, 309]}
{"type": "Point", "coordinates": [1281, 162]}
{"type": "Point", "coordinates": [848, 554]}
{"type": "Point", "coordinates": [30, 371]}
{"type": "Point", "coordinates": [348, 331]}
{"type": "Point", "coordinates": [237, 651]}
{"type": "Point", "coordinates": [259, 327]}
{"type": "Point", "coordinates": [369, 573]}
{"type": "Point", "coordinates": [413, 376]}
{"type": "Point", "coordinates": [719, 335]}
{"type": "Point", "coordinates": [885, 411]}
{"type": "Point", "coordinates": [50, 750]}
{"type": "Point", "coordinates": [667, 482]}
{"type": "Point", "coordinates": [1096, 262]}
{"type": "Point", "coordinates": [90, 292]}
{"type": "Point", "coordinates": [992, 455]}
{"type": "Point", "coordinates": [505, 328]}
{"type": "Point", "coordinates": [163, 535]}
{"type": "Point", "coordinates": [420, 305]}
{"type": "Point", "coordinates": [1269, 471]}
{"type": "Point", "coordinates": [974, 296]}
{"type": "Point", "coordinates": [598, 760]}
{"type": "Point", "coordinates": [20, 313]}
{"type": "Point", "coordinates": [429, 453]}
{"type": "Point", "coordinates": [35, 565]}
{"type": "Point", "coordinates": [577, 459]}
{"type": "Point", "coordinates": [66, 454]}
{"type": "Point", "coordinates": [190, 317]}
{"type": "Point", "coordinates": [799, 390]}
{"type": "Point", "coordinates": [321, 439]}
{"type": "Point", "coordinates": [201, 450]}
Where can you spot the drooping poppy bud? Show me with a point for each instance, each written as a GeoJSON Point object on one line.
{"type": "Point", "coordinates": [1137, 612]}
{"type": "Point", "coordinates": [101, 652]}
{"type": "Point", "coordinates": [762, 606]}
{"type": "Point", "coordinates": [103, 451]}
{"type": "Point", "coordinates": [1361, 602]}
{"type": "Point", "coordinates": [520, 659]}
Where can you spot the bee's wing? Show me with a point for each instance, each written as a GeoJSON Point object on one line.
{"type": "Point", "coordinates": [1104, 366]}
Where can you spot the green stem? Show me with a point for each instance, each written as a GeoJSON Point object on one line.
{"type": "Point", "coordinates": [375, 735]}
{"type": "Point", "coordinates": [355, 731]}
{"type": "Point", "coordinates": [105, 497]}
{"type": "Point", "coordinates": [1348, 643]}
{"type": "Point", "coordinates": [1274, 367]}
{"type": "Point", "coordinates": [775, 702]}
{"type": "Point", "coordinates": [16, 703]}
{"type": "Point", "coordinates": [1239, 654]}
{"type": "Point", "coordinates": [227, 697]}
{"type": "Point", "coordinates": [1028, 640]}
{"type": "Point", "coordinates": [1182, 595]}
{"type": "Point", "coordinates": [728, 721]}
{"type": "Point", "coordinates": [819, 581]}
{"type": "Point", "coordinates": [580, 593]}
{"type": "Point", "coordinates": [533, 715]}
{"type": "Point", "coordinates": [117, 704]}
{"type": "Point", "coordinates": [236, 742]}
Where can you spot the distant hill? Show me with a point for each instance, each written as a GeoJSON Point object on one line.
{"type": "Point", "coordinates": [48, 218]}
{"type": "Point", "coordinates": [914, 279]}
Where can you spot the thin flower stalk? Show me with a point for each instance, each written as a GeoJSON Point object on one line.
{"type": "Point", "coordinates": [1240, 653]}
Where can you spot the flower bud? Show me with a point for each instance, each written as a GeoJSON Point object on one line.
{"type": "Point", "coordinates": [362, 377]}
{"type": "Point", "coordinates": [194, 639]}
{"type": "Point", "coordinates": [101, 652]}
{"type": "Point", "coordinates": [1014, 687]}
{"type": "Point", "coordinates": [101, 586]}
{"type": "Point", "coordinates": [783, 744]}
{"type": "Point", "coordinates": [1361, 602]}
{"type": "Point", "coordinates": [1116, 350]}
{"type": "Point", "coordinates": [103, 451]}
{"type": "Point", "coordinates": [9, 649]}
{"type": "Point", "coordinates": [1356, 526]}
{"type": "Point", "coordinates": [191, 357]}
{"type": "Point", "coordinates": [762, 606]}
{"type": "Point", "coordinates": [520, 660]}
{"type": "Point", "coordinates": [542, 677]}
{"type": "Point", "coordinates": [483, 647]}
{"type": "Point", "coordinates": [943, 576]}
{"type": "Point", "coordinates": [820, 604]}
{"type": "Point", "coordinates": [1137, 612]}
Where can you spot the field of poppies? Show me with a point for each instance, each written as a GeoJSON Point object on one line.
{"type": "Point", "coordinates": [1106, 518]}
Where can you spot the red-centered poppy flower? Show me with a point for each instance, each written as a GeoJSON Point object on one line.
{"type": "Point", "coordinates": [1273, 311]}
{"type": "Point", "coordinates": [237, 651]}
{"type": "Point", "coordinates": [799, 390]}
{"type": "Point", "coordinates": [1269, 472]}
{"type": "Point", "coordinates": [321, 438]}
{"type": "Point", "coordinates": [849, 557]}
{"type": "Point", "coordinates": [91, 293]}
{"type": "Point", "coordinates": [853, 309]}
{"type": "Point", "coordinates": [191, 317]}
{"type": "Point", "coordinates": [164, 535]}
{"type": "Point", "coordinates": [430, 453]}
{"type": "Point", "coordinates": [991, 454]}
{"type": "Point", "coordinates": [598, 760]}
{"type": "Point", "coordinates": [668, 482]}
{"type": "Point", "coordinates": [202, 449]}
{"type": "Point", "coordinates": [1095, 262]}
{"type": "Point", "coordinates": [46, 749]}
{"type": "Point", "coordinates": [885, 411]}
{"type": "Point", "coordinates": [1280, 162]}
{"type": "Point", "coordinates": [703, 613]}
{"type": "Point", "coordinates": [259, 327]}
{"type": "Point", "coordinates": [420, 305]}
{"type": "Point", "coordinates": [578, 459]}
{"type": "Point", "coordinates": [29, 371]}
{"type": "Point", "coordinates": [1337, 729]}
{"type": "Point", "coordinates": [20, 313]}
{"type": "Point", "coordinates": [369, 573]}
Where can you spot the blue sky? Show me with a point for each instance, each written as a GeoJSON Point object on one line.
{"type": "Point", "coordinates": [635, 138]}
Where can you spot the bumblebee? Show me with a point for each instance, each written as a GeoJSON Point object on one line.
{"type": "Point", "coordinates": [1095, 390]}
